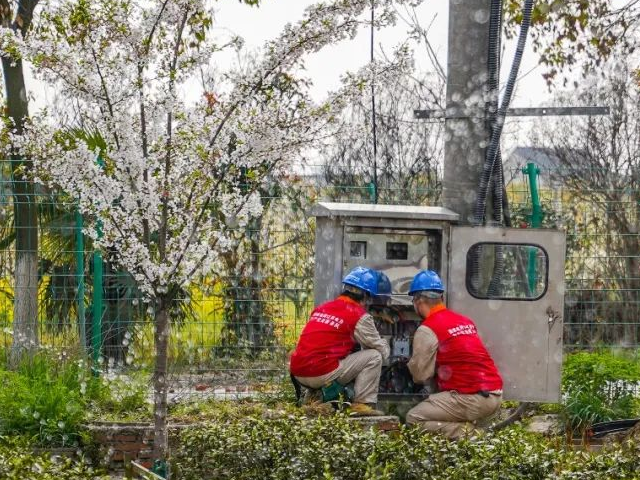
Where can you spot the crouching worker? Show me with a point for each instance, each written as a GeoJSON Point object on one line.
{"type": "Point", "coordinates": [447, 348]}
{"type": "Point", "coordinates": [325, 351]}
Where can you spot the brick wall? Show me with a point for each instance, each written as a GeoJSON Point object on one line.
{"type": "Point", "coordinates": [117, 442]}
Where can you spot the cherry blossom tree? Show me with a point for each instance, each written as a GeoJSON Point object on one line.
{"type": "Point", "coordinates": [178, 174]}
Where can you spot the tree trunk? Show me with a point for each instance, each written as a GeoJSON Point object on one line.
{"type": "Point", "coordinates": [161, 439]}
{"type": "Point", "coordinates": [25, 307]}
{"type": "Point", "coordinates": [260, 327]}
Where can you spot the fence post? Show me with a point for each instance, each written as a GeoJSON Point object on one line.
{"type": "Point", "coordinates": [80, 279]}
{"type": "Point", "coordinates": [536, 218]}
{"type": "Point", "coordinates": [96, 323]}
{"type": "Point", "coordinates": [98, 296]}
{"type": "Point", "coordinates": [372, 190]}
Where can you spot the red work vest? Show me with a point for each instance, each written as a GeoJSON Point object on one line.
{"type": "Point", "coordinates": [326, 338]}
{"type": "Point", "coordinates": [462, 361]}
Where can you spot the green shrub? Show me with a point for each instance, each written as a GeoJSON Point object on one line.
{"type": "Point", "coordinates": [121, 397]}
{"type": "Point", "coordinates": [45, 399]}
{"type": "Point", "coordinates": [18, 463]}
{"type": "Point", "coordinates": [48, 398]}
{"type": "Point", "coordinates": [222, 411]}
{"type": "Point", "coordinates": [599, 387]}
{"type": "Point", "coordinates": [296, 447]}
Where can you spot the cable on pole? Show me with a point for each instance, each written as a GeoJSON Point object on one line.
{"type": "Point", "coordinates": [496, 131]}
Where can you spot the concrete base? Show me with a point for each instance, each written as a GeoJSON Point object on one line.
{"type": "Point", "coordinates": [550, 425]}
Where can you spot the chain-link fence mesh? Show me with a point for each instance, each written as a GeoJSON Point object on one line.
{"type": "Point", "coordinates": [241, 323]}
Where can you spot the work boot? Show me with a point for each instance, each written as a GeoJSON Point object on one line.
{"type": "Point", "coordinates": [364, 410]}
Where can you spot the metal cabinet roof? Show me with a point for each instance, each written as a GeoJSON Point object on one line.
{"type": "Point", "coordinates": [330, 209]}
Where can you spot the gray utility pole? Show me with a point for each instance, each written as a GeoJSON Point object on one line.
{"type": "Point", "coordinates": [466, 131]}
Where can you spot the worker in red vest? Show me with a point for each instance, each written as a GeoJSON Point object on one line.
{"type": "Point", "coordinates": [325, 351]}
{"type": "Point", "coordinates": [448, 349]}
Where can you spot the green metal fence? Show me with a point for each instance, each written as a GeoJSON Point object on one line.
{"type": "Point", "coordinates": [243, 322]}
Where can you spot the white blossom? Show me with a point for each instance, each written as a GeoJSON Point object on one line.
{"type": "Point", "coordinates": [173, 177]}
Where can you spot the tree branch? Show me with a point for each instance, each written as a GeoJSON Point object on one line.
{"type": "Point", "coordinates": [104, 89]}
{"type": "Point", "coordinates": [162, 243]}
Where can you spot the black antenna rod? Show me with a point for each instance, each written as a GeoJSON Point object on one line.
{"type": "Point", "coordinates": [373, 120]}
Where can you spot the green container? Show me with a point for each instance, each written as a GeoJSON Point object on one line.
{"type": "Point", "coordinates": [332, 392]}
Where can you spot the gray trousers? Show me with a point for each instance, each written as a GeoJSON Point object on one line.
{"type": "Point", "coordinates": [363, 366]}
{"type": "Point", "coordinates": [451, 413]}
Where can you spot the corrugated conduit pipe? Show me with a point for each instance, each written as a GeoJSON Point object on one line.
{"type": "Point", "coordinates": [493, 169]}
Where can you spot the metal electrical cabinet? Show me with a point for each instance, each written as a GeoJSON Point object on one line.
{"type": "Point", "coordinates": [509, 281]}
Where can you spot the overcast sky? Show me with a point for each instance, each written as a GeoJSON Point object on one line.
{"type": "Point", "coordinates": [259, 24]}
{"type": "Point", "coordinates": [256, 25]}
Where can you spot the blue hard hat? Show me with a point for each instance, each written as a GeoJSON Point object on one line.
{"type": "Point", "coordinates": [426, 280]}
{"type": "Point", "coordinates": [384, 284]}
{"type": "Point", "coordinates": [369, 280]}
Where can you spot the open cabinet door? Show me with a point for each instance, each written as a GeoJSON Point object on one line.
{"type": "Point", "coordinates": [510, 282]}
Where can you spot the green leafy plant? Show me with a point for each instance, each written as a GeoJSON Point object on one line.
{"type": "Point", "coordinates": [122, 396]}
{"type": "Point", "coordinates": [18, 463]}
{"type": "Point", "coordinates": [599, 387]}
{"type": "Point", "coordinates": [220, 411]}
{"type": "Point", "coordinates": [294, 446]}
{"type": "Point", "coordinates": [50, 396]}
{"type": "Point", "coordinates": [45, 399]}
